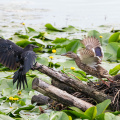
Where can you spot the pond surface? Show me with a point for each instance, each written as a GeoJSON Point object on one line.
{"type": "Point", "coordinates": [83, 14]}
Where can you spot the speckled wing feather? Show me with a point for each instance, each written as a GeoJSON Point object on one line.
{"type": "Point", "coordinates": [92, 43]}
{"type": "Point", "coordinates": [87, 57]}
{"type": "Point", "coordinates": [8, 52]}
{"type": "Point", "coordinates": [84, 53]}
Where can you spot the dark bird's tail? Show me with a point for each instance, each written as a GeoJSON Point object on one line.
{"type": "Point", "coordinates": [20, 78]}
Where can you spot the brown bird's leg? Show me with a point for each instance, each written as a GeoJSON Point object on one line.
{"type": "Point", "coordinates": [105, 82]}
{"type": "Point", "coordinates": [109, 79]}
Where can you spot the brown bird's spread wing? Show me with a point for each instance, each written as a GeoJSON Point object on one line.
{"type": "Point", "coordinates": [92, 43]}
{"type": "Point", "coordinates": [8, 52]}
{"type": "Point", "coordinates": [84, 53]}
{"type": "Point", "coordinates": [87, 57]}
{"type": "Point", "coordinates": [29, 60]}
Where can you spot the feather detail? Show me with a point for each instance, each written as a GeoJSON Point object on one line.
{"type": "Point", "coordinates": [87, 57]}
{"type": "Point", "coordinates": [93, 44]}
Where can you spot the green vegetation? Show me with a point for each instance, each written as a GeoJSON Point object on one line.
{"type": "Point", "coordinates": [52, 43]}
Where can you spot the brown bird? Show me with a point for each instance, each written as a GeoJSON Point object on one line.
{"type": "Point", "coordinates": [90, 58]}
{"type": "Point", "coordinates": [98, 71]}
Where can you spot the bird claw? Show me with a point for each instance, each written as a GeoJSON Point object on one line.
{"type": "Point", "coordinates": [35, 67]}
{"type": "Point", "coordinates": [40, 67]}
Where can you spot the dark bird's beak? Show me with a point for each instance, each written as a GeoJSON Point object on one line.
{"type": "Point", "coordinates": [64, 54]}
{"type": "Point", "coordinates": [35, 46]}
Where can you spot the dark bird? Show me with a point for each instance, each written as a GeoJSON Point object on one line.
{"type": "Point", "coordinates": [13, 56]}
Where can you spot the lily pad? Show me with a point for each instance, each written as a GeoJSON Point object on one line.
{"type": "Point", "coordinates": [94, 33]}
{"type": "Point", "coordinates": [114, 37]}
{"type": "Point", "coordinates": [112, 48]}
{"type": "Point", "coordinates": [50, 27]}
{"type": "Point", "coordinates": [115, 70]}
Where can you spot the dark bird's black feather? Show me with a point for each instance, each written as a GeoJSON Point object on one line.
{"type": "Point", "coordinates": [13, 56]}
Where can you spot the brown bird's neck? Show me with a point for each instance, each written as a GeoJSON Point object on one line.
{"type": "Point", "coordinates": [78, 61]}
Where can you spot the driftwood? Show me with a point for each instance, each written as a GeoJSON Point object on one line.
{"type": "Point", "coordinates": [63, 86]}
{"type": "Point", "coordinates": [59, 95]}
{"type": "Point", "coordinates": [76, 85]}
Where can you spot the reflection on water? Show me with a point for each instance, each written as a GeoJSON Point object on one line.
{"type": "Point", "coordinates": [83, 14]}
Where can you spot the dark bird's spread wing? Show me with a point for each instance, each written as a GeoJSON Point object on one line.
{"type": "Point", "coordinates": [29, 60]}
{"type": "Point", "coordinates": [13, 56]}
{"type": "Point", "coordinates": [8, 52]}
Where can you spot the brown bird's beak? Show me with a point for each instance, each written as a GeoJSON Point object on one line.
{"type": "Point", "coordinates": [64, 54]}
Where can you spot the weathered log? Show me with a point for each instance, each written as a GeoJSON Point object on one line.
{"type": "Point", "coordinates": [59, 95]}
{"type": "Point", "coordinates": [62, 86]}
{"type": "Point", "coordinates": [77, 85]}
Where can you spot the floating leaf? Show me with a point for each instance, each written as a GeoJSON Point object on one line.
{"type": "Point", "coordinates": [76, 114]}
{"type": "Point", "coordinates": [110, 116]}
{"type": "Point", "coordinates": [42, 60]}
{"type": "Point", "coordinates": [60, 51]}
{"type": "Point", "coordinates": [65, 29]}
{"type": "Point", "coordinates": [73, 46]}
{"type": "Point", "coordinates": [114, 37]}
{"type": "Point", "coordinates": [23, 43]}
{"type": "Point", "coordinates": [94, 33]}
{"type": "Point", "coordinates": [107, 56]}
{"type": "Point", "coordinates": [59, 40]}
{"type": "Point", "coordinates": [100, 117]}
{"type": "Point", "coordinates": [50, 27]}
{"type": "Point", "coordinates": [31, 29]}
{"type": "Point", "coordinates": [23, 36]}
{"type": "Point", "coordinates": [5, 117]}
{"type": "Point", "coordinates": [115, 70]}
{"type": "Point", "coordinates": [118, 54]}
{"type": "Point", "coordinates": [76, 109]}
{"type": "Point", "coordinates": [112, 48]}
{"type": "Point", "coordinates": [43, 117]}
{"type": "Point", "coordinates": [59, 116]}
{"type": "Point", "coordinates": [30, 107]}
{"type": "Point", "coordinates": [114, 31]}
{"type": "Point", "coordinates": [101, 107]}
{"type": "Point", "coordinates": [91, 112]}
{"type": "Point", "coordinates": [70, 29]}
{"type": "Point", "coordinates": [105, 38]}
